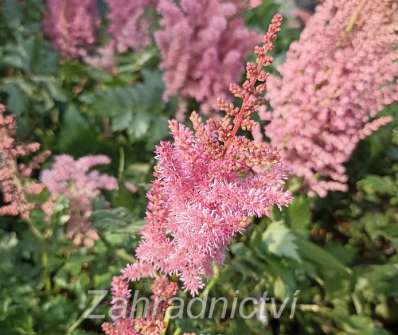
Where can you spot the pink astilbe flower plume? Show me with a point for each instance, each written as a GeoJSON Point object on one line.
{"type": "Point", "coordinates": [128, 28]}
{"type": "Point", "coordinates": [203, 44]}
{"type": "Point", "coordinates": [71, 25]}
{"type": "Point", "coordinates": [336, 78]}
{"type": "Point", "coordinates": [127, 24]}
{"type": "Point", "coordinates": [208, 183]}
{"type": "Point", "coordinates": [73, 180]}
{"type": "Point", "coordinates": [14, 177]}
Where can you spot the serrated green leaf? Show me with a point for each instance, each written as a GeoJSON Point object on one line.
{"type": "Point", "coordinates": [280, 241]}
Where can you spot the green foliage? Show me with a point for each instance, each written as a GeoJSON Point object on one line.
{"type": "Point", "coordinates": [136, 110]}
{"type": "Point", "coordinates": [280, 241]}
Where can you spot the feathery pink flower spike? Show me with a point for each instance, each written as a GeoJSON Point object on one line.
{"type": "Point", "coordinates": [208, 184]}
{"type": "Point", "coordinates": [127, 25]}
{"type": "Point", "coordinates": [128, 29]}
{"type": "Point", "coordinates": [73, 180]}
{"type": "Point", "coordinates": [71, 25]}
{"type": "Point", "coordinates": [203, 44]}
{"type": "Point", "coordinates": [14, 183]}
{"type": "Point", "coordinates": [337, 77]}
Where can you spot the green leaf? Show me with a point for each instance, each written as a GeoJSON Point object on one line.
{"type": "Point", "coordinates": [16, 101]}
{"type": "Point", "coordinates": [12, 10]}
{"type": "Point", "coordinates": [280, 241]}
{"type": "Point", "coordinates": [116, 220]}
{"type": "Point", "coordinates": [378, 185]}
{"type": "Point", "coordinates": [320, 256]}
{"type": "Point", "coordinates": [299, 215]}
{"type": "Point", "coordinates": [139, 125]}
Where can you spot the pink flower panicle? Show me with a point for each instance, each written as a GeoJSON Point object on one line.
{"type": "Point", "coordinates": [71, 25]}
{"type": "Point", "coordinates": [127, 24]}
{"type": "Point", "coordinates": [73, 180]}
{"type": "Point", "coordinates": [14, 183]}
{"type": "Point", "coordinates": [128, 28]}
{"type": "Point", "coordinates": [208, 184]}
{"type": "Point", "coordinates": [335, 80]}
{"type": "Point", "coordinates": [203, 44]}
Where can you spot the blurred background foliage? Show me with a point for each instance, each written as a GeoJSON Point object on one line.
{"type": "Point", "coordinates": [339, 253]}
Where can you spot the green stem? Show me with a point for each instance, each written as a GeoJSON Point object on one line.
{"type": "Point", "coordinates": [34, 230]}
{"type": "Point", "coordinates": [122, 162]}
{"type": "Point", "coordinates": [166, 321]}
{"type": "Point", "coordinates": [46, 272]}
{"type": "Point", "coordinates": [77, 323]}
{"type": "Point", "coordinates": [211, 283]}
{"type": "Point", "coordinates": [44, 255]}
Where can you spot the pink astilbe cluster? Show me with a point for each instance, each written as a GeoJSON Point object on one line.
{"type": "Point", "coordinates": [203, 44]}
{"type": "Point", "coordinates": [208, 183]}
{"type": "Point", "coordinates": [128, 26]}
{"type": "Point", "coordinates": [73, 180]}
{"type": "Point", "coordinates": [14, 183]}
{"type": "Point", "coordinates": [71, 25]}
{"type": "Point", "coordinates": [336, 78]}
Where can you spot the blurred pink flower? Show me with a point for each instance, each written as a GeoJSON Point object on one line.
{"type": "Point", "coordinates": [14, 183]}
{"type": "Point", "coordinates": [71, 25]}
{"type": "Point", "coordinates": [203, 44]}
{"type": "Point", "coordinates": [336, 78]}
{"type": "Point", "coordinates": [128, 28]}
{"type": "Point", "coordinates": [131, 187]}
{"type": "Point", "coordinates": [255, 3]}
{"type": "Point", "coordinates": [72, 179]}
{"type": "Point", "coordinates": [127, 25]}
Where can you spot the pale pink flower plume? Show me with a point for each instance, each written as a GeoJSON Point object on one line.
{"type": "Point", "coordinates": [203, 44]}
{"type": "Point", "coordinates": [71, 25]}
{"type": "Point", "coordinates": [73, 180]}
{"type": "Point", "coordinates": [128, 27]}
{"type": "Point", "coordinates": [14, 178]}
{"type": "Point", "coordinates": [336, 78]}
{"type": "Point", "coordinates": [208, 184]}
